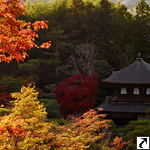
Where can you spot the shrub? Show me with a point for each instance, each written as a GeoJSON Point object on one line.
{"type": "Point", "coordinates": [26, 81]}
{"type": "Point", "coordinates": [49, 95]}
{"type": "Point", "coordinates": [14, 85]}
{"type": "Point", "coordinates": [133, 129]}
{"type": "Point", "coordinates": [52, 108]}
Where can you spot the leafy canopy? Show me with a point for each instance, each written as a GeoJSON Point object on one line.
{"type": "Point", "coordinates": [77, 94]}
{"type": "Point", "coordinates": [16, 36]}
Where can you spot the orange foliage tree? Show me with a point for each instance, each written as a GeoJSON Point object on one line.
{"type": "Point", "coordinates": [78, 135]}
{"type": "Point", "coordinates": [83, 131]}
{"type": "Point", "coordinates": [16, 36]}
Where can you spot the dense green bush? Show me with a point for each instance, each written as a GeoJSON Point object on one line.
{"type": "Point", "coordinates": [49, 95]}
{"type": "Point", "coordinates": [52, 108]}
{"type": "Point", "coordinates": [133, 129]}
{"type": "Point", "coordinates": [14, 85]}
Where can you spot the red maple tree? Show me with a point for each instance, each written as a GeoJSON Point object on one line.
{"type": "Point", "coordinates": [16, 36]}
{"type": "Point", "coordinates": [77, 94]}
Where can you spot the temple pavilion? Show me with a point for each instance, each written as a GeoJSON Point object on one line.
{"type": "Point", "coordinates": [132, 97]}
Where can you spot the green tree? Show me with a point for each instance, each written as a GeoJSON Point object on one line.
{"type": "Point", "coordinates": [115, 29]}
{"type": "Point", "coordinates": [14, 85]}
{"type": "Point", "coordinates": [52, 108]}
{"type": "Point", "coordinates": [139, 31]}
{"type": "Point", "coordinates": [105, 6]}
{"type": "Point", "coordinates": [104, 70]}
{"type": "Point", "coordinates": [76, 27]}
{"type": "Point", "coordinates": [31, 66]}
{"type": "Point", "coordinates": [106, 25]}
{"type": "Point", "coordinates": [142, 10]}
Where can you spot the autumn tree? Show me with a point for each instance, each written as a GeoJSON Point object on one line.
{"type": "Point", "coordinates": [77, 94]}
{"type": "Point", "coordinates": [25, 127]}
{"type": "Point", "coordinates": [81, 132]}
{"type": "Point", "coordinates": [16, 36]}
{"type": "Point", "coordinates": [33, 113]}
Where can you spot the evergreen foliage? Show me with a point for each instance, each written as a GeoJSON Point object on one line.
{"type": "Point", "coordinates": [13, 84]}
{"type": "Point", "coordinates": [52, 108]}
{"type": "Point", "coordinates": [108, 26]}
{"type": "Point", "coordinates": [134, 129]}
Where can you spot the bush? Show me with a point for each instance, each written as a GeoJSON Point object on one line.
{"type": "Point", "coordinates": [14, 85]}
{"type": "Point", "coordinates": [26, 81]}
{"type": "Point", "coordinates": [133, 129]}
{"type": "Point", "coordinates": [49, 95]}
{"type": "Point", "coordinates": [50, 87]}
{"type": "Point", "coordinates": [52, 108]}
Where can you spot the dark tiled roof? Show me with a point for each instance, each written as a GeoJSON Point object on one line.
{"type": "Point", "coordinates": [116, 107]}
{"type": "Point", "coordinates": [136, 73]}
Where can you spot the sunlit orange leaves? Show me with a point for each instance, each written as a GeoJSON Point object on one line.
{"type": "Point", "coordinates": [16, 36]}
{"type": "Point", "coordinates": [82, 131]}
{"type": "Point", "coordinates": [39, 24]}
{"type": "Point", "coordinates": [117, 143]}
{"type": "Point", "coordinates": [46, 45]}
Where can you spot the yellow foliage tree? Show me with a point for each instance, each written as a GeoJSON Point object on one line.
{"type": "Point", "coordinates": [27, 105]}
{"type": "Point", "coordinates": [25, 128]}
{"type": "Point", "coordinates": [34, 114]}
